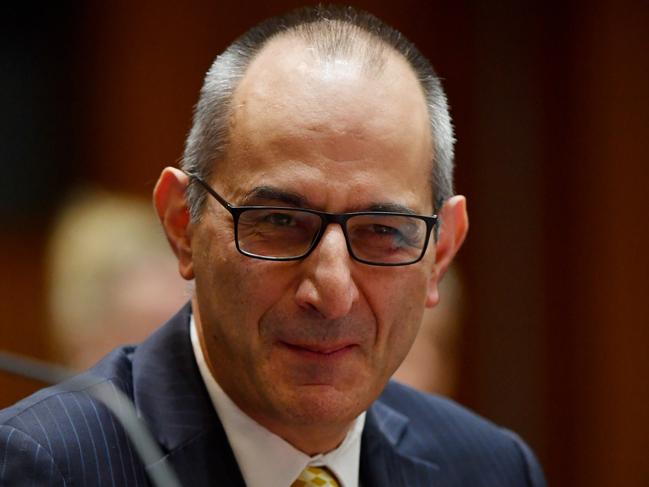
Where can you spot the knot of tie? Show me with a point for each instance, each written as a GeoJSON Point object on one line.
{"type": "Point", "coordinates": [316, 477]}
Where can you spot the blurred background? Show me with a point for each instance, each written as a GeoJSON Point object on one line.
{"type": "Point", "coordinates": [549, 306]}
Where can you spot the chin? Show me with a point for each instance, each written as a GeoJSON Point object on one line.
{"type": "Point", "coordinates": [324, 404]}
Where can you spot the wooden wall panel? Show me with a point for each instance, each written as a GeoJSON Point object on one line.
{"type": "Point", "coordinates": [612, 412]}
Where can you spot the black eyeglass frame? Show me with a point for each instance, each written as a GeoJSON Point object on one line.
{"type": "Point", "coordinates": [326, 218]}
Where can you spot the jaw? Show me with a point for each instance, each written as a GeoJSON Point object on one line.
{"type": "Point", "coordinates": [314, 418]}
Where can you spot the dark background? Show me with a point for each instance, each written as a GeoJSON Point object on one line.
{"type": "Point", "coordinates": [551, 110]}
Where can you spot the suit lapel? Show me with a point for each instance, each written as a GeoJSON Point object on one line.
{"type": "Point", "coordinates": [170, 395]}
{"type": "Point", "coordinates": [382, 464]}
{"type": "Point", "coordinates": [206, 460]}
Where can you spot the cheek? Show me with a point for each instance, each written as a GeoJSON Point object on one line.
{"type": "Point", "coordinates": [238, 291]}
{"type": "Point", "coordinates": [398, 306]}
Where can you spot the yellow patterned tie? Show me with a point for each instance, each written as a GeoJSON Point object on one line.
{"type": "Point", "coordinates": [316, 477]}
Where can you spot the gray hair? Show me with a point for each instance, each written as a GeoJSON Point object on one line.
{"type": "Point", "coordinates": [332, 32]}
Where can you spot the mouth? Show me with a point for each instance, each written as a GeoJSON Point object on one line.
{"type": "Point", "coordinates": [322, 351]}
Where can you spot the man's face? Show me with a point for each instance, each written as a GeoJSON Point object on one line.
{"type": "Point", "coordinates": [313, 341]}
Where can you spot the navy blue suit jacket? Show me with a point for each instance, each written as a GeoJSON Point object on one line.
{"type": "Point", "coordinates": [63, 436]}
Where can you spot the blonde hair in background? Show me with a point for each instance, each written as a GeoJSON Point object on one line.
{"type": "Point", "coordinates": [112, 278]}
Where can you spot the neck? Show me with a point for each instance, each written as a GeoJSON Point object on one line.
{"type": "Point", "coordinates": [309, 439]}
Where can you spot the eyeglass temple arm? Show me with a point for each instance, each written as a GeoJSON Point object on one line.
{"type": "Point", "coordinates": [210, 190]}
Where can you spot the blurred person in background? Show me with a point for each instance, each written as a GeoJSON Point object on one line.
{"type": "Point", "coordinates": [433, 362]}
{"type": "Point", "coordinates": [111, 276]}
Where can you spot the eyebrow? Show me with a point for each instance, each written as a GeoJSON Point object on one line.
{"type": "Point", "coordinates": [391, 207]}
{"type": "Point", "coordinates": [270, 193]}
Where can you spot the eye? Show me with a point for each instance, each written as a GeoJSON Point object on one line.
{"type": "Point", "coordinates": [385, 230]}
{"type": "Point", "coordinates": [279, 219]}
{"type": "Point", "coordinates": [393, 232]}
{"type": "Point", "coordinates": [396, 235]}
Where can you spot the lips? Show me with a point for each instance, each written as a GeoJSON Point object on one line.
{"type": "Point", "coordinates": [324, 350]}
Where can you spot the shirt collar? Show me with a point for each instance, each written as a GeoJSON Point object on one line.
{"type": "Point", "coordinates": [265, 459]}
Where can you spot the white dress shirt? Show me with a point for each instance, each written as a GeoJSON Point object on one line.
{"type": "Point", "coordinates": [265, 459]}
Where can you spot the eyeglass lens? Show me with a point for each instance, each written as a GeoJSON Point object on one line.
{"type": "Point", "coordinates": [289, 233]}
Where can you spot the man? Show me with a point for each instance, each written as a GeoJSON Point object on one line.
{"type": "Point", "coordinates": [315, 214]}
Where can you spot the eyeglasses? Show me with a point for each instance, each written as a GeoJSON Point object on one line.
{"type": "Point", "coordinates": [278, 233]}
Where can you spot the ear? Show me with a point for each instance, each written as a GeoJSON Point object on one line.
{"type": "Point", "coordinates": [171, 206]}
{"type": "Point", "coordinates": [455, 224]}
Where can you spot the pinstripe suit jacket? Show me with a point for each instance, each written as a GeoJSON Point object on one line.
{"type": "Point", "coordinates": [63, 436]}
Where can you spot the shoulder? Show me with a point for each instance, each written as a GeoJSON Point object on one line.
{"type": "Point", "coordinates": [426, 410]}
{"type": "Point", "coordinates": [24, 461]}
{"type": "Point", "coordinates": [62, 434]}
{"type": "Point", "coordinates": [441, 431]}
{"type": "Point", "coordinates": [114, 368]}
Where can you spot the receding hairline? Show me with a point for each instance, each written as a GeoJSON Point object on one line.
{"type": "Point", "coordinates": [383, 64]}
{"type": "Point", "coordinates": [330, 40]}
{"type": "Point", "coordinates": [339, 40]}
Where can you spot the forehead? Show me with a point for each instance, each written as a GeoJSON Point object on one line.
{"type": "Point", "coordinates": [298, 113]}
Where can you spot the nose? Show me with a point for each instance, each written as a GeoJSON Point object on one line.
{"type": "Point", "coordinates": [327, 285]}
